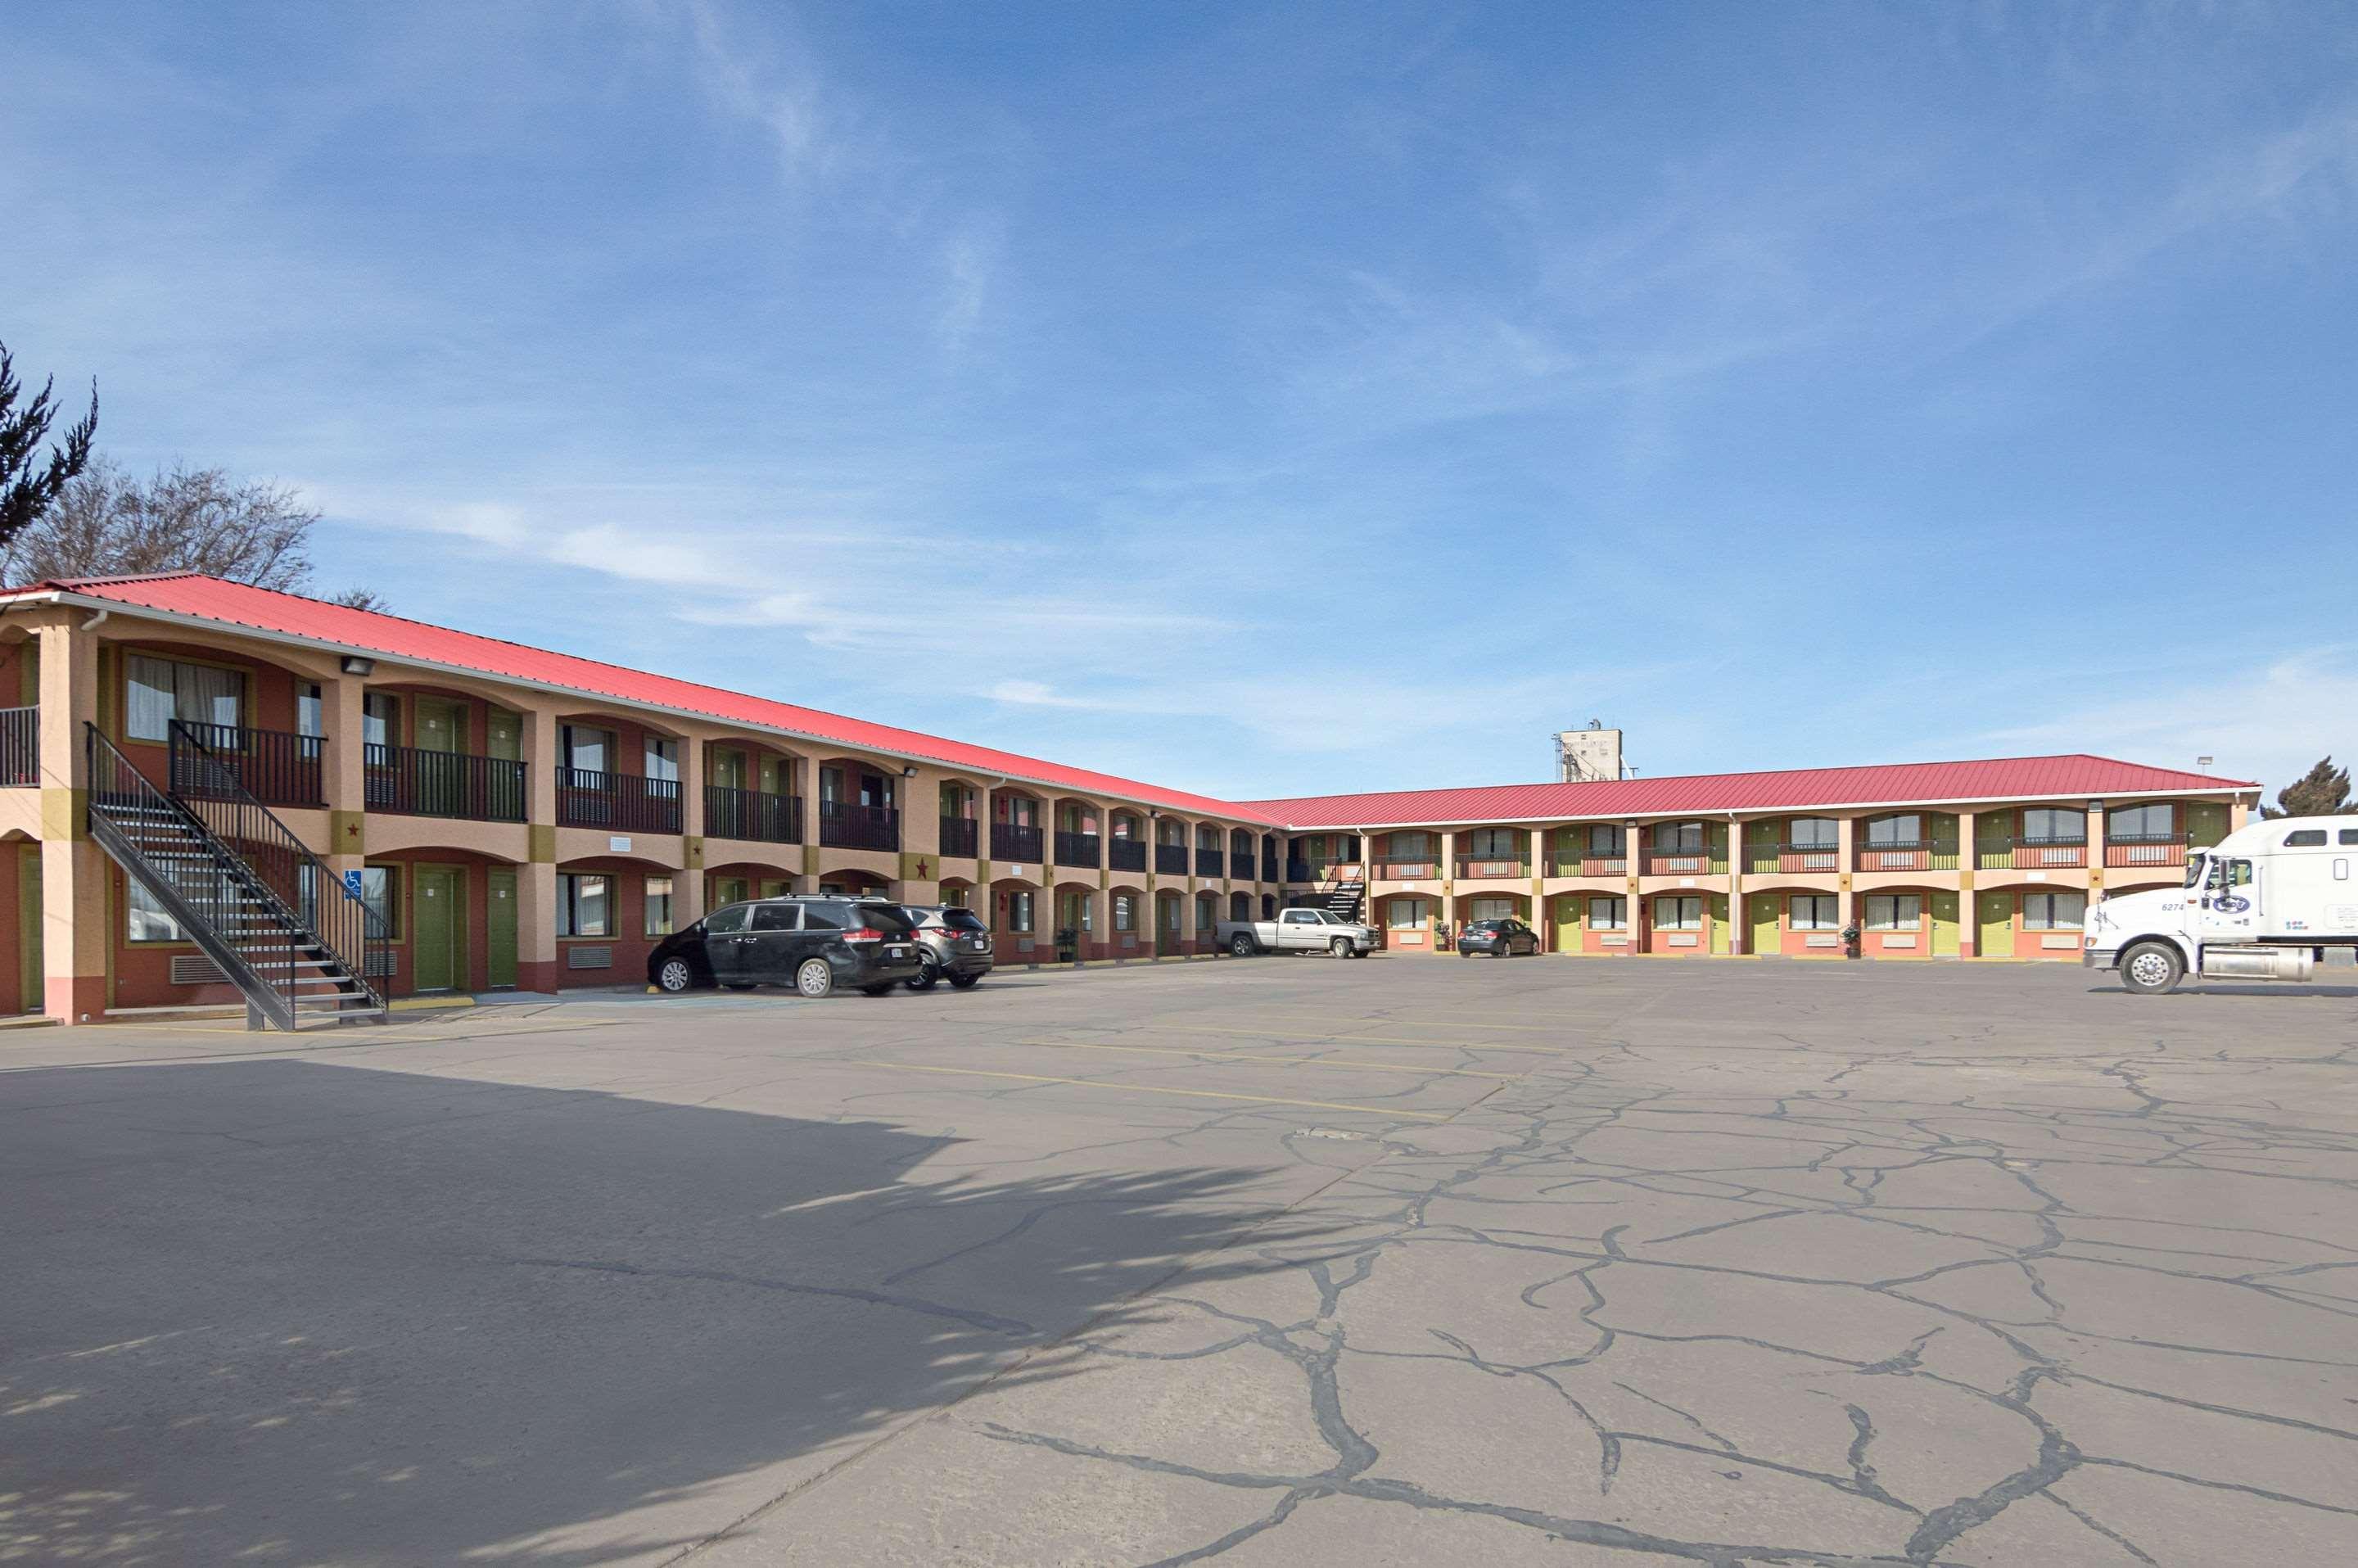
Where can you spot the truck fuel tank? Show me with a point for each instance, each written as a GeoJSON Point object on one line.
{"type": "Point", "coordinates": [2256, 963]}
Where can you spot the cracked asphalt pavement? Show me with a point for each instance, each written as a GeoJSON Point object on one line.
{"type": "Point", "coordinates": [1273, 1261]}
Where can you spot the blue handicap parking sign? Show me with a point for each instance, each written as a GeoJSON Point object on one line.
{"type": "Point", "coordinates": [351, 885]}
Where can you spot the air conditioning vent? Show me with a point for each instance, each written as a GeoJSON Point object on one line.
{"type": "Point", "coordinates": [196, 970]}
{"type": "Point", "coordinates": [589, 957]}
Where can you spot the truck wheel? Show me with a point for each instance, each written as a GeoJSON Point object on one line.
{"type": "Point", "coordinates": [1241, 946]}
{"type": "Point", "coordinates": [2150, 968]}
{"type": "Point", "coordinates": [1340, 947]}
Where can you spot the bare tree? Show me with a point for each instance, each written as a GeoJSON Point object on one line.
{"type": "Point", "coordinates": [106, 522]}
{"type": "Point", "coordinates": [28, 488]}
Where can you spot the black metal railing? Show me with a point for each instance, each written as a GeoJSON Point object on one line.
{"type": "Point", "coordinates": [20, 746]}
{"type": "Point", "coordinates": [624, 801]}
{"type": "Point", "coordinates": [753, 813]}
{"type": "Point", "coordinates": [1077, 849]}
{"type": "Point", "coordinates": [1268, 869]}
{"type": "Point", "coordinates": [1297, 871]}
{"type": "Point", "coordinates": [846, 825]}
{"type": "Point", "coordinates": [959, 836]}
{"type": "Point", "coordinates": [1171, 860]}
{"type": "Point", "coordinates": [1017, 841]}
{"type": "Point", "coordinates": [1210, 862]}
{"type": "Point", "coordinates": [410, 781]}
{"type": "Point", "coordinates": [272, 766]}
{"type": "Point", "coordinates": [225, 860]}
{"type": "Point", "coordinates": [1126, 854]}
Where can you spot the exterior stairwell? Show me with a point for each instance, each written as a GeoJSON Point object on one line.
{"type": "Point", "coordinates": [1344, 899]}
{"type": "Point", "coordinates": [240, 885]}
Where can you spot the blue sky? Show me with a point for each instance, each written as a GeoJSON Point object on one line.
{"type": "Point", "coordinates": [1268, 400]}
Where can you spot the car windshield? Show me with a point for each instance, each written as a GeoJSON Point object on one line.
{"type": "Point", "coordinates": [2194, 871]}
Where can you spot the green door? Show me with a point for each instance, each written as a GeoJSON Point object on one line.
{"type": "Point", "coordinates": [31, 986]}
{"type": "Point", "coordinates": [1716, 911]}
{"type": "Point", "coordinates": [500, 897]}
{"type": "Point", "coordinates": [1994, 931]}
{"type": "Point", "coordinates": [437, 933]}
{"type": "Point", "coordinates": [2206, 823]}
{"type": "Point", "coordinates": [1567, 924]}
{"type": "Point", "coordinates": [1944, 924]}
{"type": "Point", "coordinates": [1764, 934]}
{"type": "Point", "coordinates": [1994, 841]}
{"type": "Point", "coordinates": [441, 731]}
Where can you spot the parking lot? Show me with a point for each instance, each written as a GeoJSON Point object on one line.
{"type": "Point", "coordinates": [1266, 1262]}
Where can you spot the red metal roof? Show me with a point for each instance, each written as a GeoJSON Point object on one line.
{"type": "Point", "coordinates": [2067, 777]}
{"type": "Point", "coordinates": [240, 604]}
{"type": "Point", "coordinates": [2073, 776]}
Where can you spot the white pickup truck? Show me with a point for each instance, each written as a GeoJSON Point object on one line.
{"type": "Point", "coordinates": [1296, 931]}
{"type": "Point", "coordinates": [2263, 903]}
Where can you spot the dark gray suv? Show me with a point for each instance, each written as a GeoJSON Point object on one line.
{"type": "Point", "coordinates": [953, 944]}
{"type": "Point", "coordinates": [813, 944]}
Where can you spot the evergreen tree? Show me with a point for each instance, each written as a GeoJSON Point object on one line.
{"type": "Point", "coordinates": [2323, 791]}
{"type": "Point", "coordinates": [28, 485]}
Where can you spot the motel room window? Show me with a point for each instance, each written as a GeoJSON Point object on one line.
{"type": "Point", "coordinates": [1605, 840]}
{"type": "Point", "coordinates": [1608, 913]}
{"type": "Point", "coordinates": [1895, 912]}
{"type": "Point", "coordinates": [161, 690]}
{"type": "Point", "coordinates": [731, 890]}
{"type": "Point", "coordinates": [663, 762]}
{"type": "Point", "coordinates": [1812, 833]}
{"type": "Point", "coordinates": [1677, 912]}
{"type": "Point", "coordinates": [586, 748]}
{"type": "Point", "coordinates": [2053, 911]}
{"type": "Point", "coordinates": [2054, 825]}
{"type": "Point", "coordinates": [309, 710]}
{"type": "Point", "coordinates": [659, 907]}
{"type": "Point", "coordinates": [1813, 911]}
{"type": "Point", "coordinates": [1125, 912]}
{"type": "Point", "coordinates": [1908, 827]}
{"type": "Point", "coordinates": [1678, 838]}
{"type": "Point", "coordinates": [2157, 821]}
{"type": "Point", "coordinates": [379, 719]}
{"type": "Point", "coordinates": [1494, 844]}
{"type": "Point", "coordinates": [1490, 909]}
{"type": "Point", "coordinates": [585, 905]}
{"type": "Point", "coordinates": [145, 919]}
{"type": "Point", "coordinates": [1019, 911]}
{"type": "Point", "coordinates": [1411, 846]}
{"type": "Point", "coordinates": [1403, 912]}
{"type": "Point", "coordinates": [955, 898]}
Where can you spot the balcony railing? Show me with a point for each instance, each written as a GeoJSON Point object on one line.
{"type": "Point", "coordinates": [1211, 863]}
{"type": "Point", "coordinates": [1171, 860]}
{"type": "Point", "coordinates": [752, 814]}
{"type": "Point", "coordinates": [1079, 849]}
{"type": "Point", "coordinates": [1683, 862]}
{"type": "Point", "coordinates": [1297, 871]}
{"type": "Point", "coordinates": [2145, 850]}
{"type": "Point", "coordinates": [1762, 860]}
{"type": "Point", "coordinates": [1592, 865]}
{"type": "Point", "coordinates": [20, 746]}
{"type": "Point", "coordinates": [408, 781]}
{"type": "Point", "coordinates": [846, 825]}
{"type": "Point", "coordinates": [1908, 855]}
{"type": "Point", "coordinates": [1269, 869]}
{"type": "Point", "coordinates": [1403, 869]}
{"type": "Point", "coordinates": [1475, 868]}
{"type": "Point", "coordinates": [1017, 842]}
{"type": "Point", "coordinates": [1997, 854]}
{"type": "Point", "coordinates": [272, 766]}
{"type": "Point", "coordinates": [1126, 854]}
{"type": "Point", "coordinates": [961, 836]}
{"type": "Point", "coordinates": [623, 801]}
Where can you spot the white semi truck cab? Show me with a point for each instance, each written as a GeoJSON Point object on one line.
{"type": "Point", "coordinates": [2263, 903]}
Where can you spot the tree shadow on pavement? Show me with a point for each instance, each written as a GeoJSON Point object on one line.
{"type": "Point", "coordinates": [305, 1312]}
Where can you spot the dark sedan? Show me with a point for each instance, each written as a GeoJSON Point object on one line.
{"type": "Point", "coordinates": [1499, 938]}
{"type": "Point", "coordinates": [811, 943]}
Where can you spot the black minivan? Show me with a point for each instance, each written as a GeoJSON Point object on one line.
{"type": "Point", "coordinates": [813, 944]}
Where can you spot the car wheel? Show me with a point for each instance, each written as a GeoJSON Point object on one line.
{"type": "Point", "coordinates": [2150, 968]}
{"type": "Point", "coordinates": [675, 975]}
{"type": "Point", "coordinates": [1505, 949]}
{"type": "Point", "coordinates": [1241, 946]}
{"type": "Point", "coordinates": [814, 979]}
{"type": "Point", "coordinates": [966, 982]}
{"type": "Point", "coordinates": [1340, 947]}
{"type": "Point", "coordinates": [928, 974]}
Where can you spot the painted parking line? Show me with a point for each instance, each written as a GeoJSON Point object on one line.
{"type": "Point", "coordinates": [1289, 1061]}
{"type": "Point", "coordinates": [1430, 1023]}
{"type": "Point", "coordinates": [1355, 1039]}
{"type": "Point", "coordinates": [1153, 1089]}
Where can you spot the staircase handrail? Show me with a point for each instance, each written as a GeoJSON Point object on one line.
{"type": "Point", "coordinates": [347, 929]}
{"type": "Point", "coordinates": [115, 781]}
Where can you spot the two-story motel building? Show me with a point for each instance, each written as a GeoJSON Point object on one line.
{"type": "Point", "coordinates": [511, 817]}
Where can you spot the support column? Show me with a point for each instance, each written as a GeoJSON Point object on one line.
{"type": "Point", "coordinates": [687, 888]}
{"type": "Point", "coordinates": [1739, 930]}
{"type": "Point", "coordinates": [342, 710]}
{"type": "Point", "coordinates": [536, 877]}
{"type": "Point", "coordinates": [1846, 858]}
{"type": "Point", "coordinates": [1969, 926]}
{"type": "Point", "coordinates": [1633, 864]}
{"type": "Point", "coordinates": [2095, 850]}
{"type": "Point", "coordinates": [75, 928]}
{"type": "Point", "coordinates": [1447, 912]}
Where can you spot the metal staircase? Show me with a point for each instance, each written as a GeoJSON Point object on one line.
{"type": "Point", "coordinates": [240, 885]}
{"type": "Point", "coordinates": [1343, 899]}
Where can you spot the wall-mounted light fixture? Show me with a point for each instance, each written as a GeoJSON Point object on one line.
{"type": "Point", "coordinates": [910, 770]}
{"type": "Point", "coordinates": [356, 666]}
